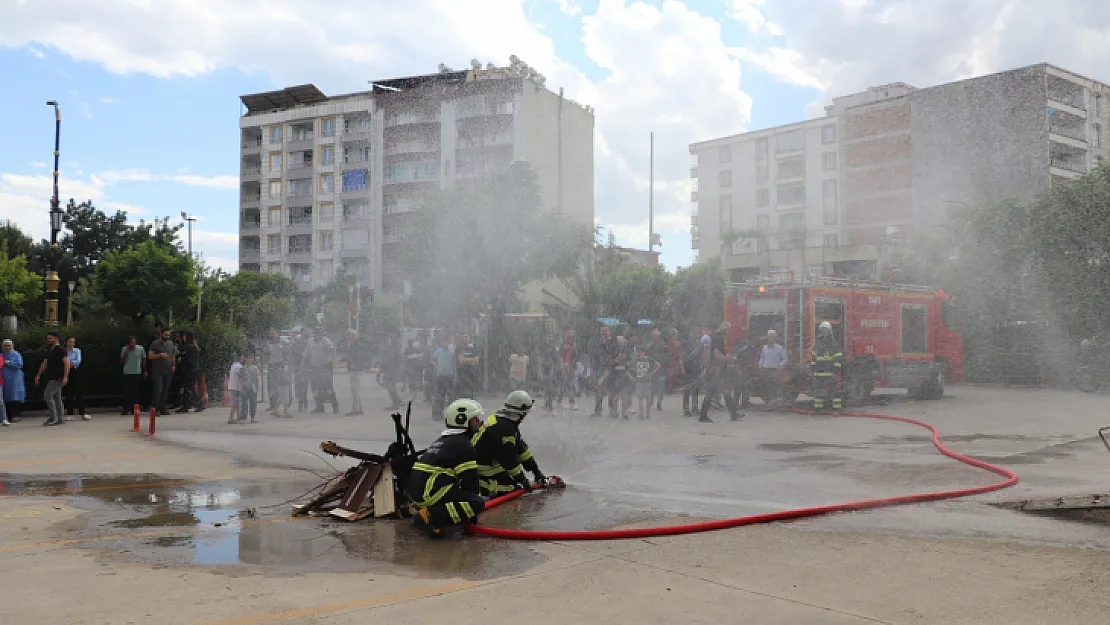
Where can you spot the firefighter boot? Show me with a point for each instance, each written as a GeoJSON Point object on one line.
{"type": "Point", "coordinates": [837, 402]}
{"type": "Point", "coordinates": [423, 521]}
{"type": "Point", "coordinates": [818, 404]}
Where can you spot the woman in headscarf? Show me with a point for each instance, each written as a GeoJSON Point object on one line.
{"type": "Point", "coordinates": [14, 389]}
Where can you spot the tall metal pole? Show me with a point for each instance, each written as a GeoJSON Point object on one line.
{"type": "Point", "coordinates": [190, 221]}
{"type": "Point", "coordinates": [651, 195]}
{"type": "Point", "coordinates": [559, 141]}
{"type": "Point", "coordinates": [55, 225]}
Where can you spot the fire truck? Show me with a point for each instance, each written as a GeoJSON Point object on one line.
{"type": "Point", "coordinates": [893, 336]}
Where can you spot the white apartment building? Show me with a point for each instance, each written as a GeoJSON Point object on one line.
{"type": "Point", "coordinates": [832, 196]}
{"type": "Point", "coordinates": [333, 181]}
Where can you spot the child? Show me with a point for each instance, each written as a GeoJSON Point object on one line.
{"type": "Point", "coordinates": [518, 369]}
{"type": "Point", "coordinates": [248, 389]}
{"type": "Point", "coordinates": [233, 387]}
{"type": "Point", "coordinates": [620, 389]}
{"type": "Point", "coordinates": [644, 370]}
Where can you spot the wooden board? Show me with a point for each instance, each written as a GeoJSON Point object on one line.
{"type": "Point", "coordinates": [359, 489]}
{"type": "Point", "coordinates": [385, 502]}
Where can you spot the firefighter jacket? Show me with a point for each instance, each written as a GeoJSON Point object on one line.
{"type": "Point", "coordinates": [502, 451]}
{"type": "Point", "coordinates": [827, 358]}
{"type": "Point", "coordinates": [450, 462]}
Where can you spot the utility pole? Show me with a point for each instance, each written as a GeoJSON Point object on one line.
{"type": "Point", "coordinates": [52, 279]}
{"type": "Point", "coordinates": [190, 221]}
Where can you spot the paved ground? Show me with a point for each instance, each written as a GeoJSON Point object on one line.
{"type": "Point", "coordinates": [103, 526]}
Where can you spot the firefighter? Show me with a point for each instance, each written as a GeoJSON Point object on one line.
{"type": "Point", "coordinates": [443, 485]}
{"type": "Point", "coordinates": [827, 361]}
{"type": "Point", "coordinates": [502, 453]}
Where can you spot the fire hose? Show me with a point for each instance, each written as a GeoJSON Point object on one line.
{"type": "Point", "coordinates": [782, 515]}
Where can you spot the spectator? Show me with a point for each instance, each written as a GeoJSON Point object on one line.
{"type": "Point", "coordinates": [467, 371]}
{"type": "Point", "coordinates": [277, 355]}
{"type": "Point", "coordinates": [645, 369]}
{"type": "Point", "coordinates": [392, 370]}
{"type": "Point", "coordinates": [133, 359]}
{"type": "Point", "coordinates": [518, 369]}
{"type": "Point", "coordinates": [568, 360]}
{"type": "Point", "coordinates": [75, 391]}
{"type": "Point", "coordinates": [693, 366]}
{"type": "Point", "coordinates": [233, 387]}
{"type": "Point", "coordinates": [657, 352]}
{"type": "Point", "coordinates": [15, 390]}
{"type": "Point", "coordinates": [551, 371]}
{"type": "Point", "coordinates": [55, 368]}
{"type": "Point", "coordinates": [358, 363]}
{"type": "Point", "coordinates": [190, 374]}
{"type": "Point", "coordinates": [162, 358]}
{"type": "Point", "coordinates": [603, 358]}
{"type": "Point", "coordinates": [772, 361]}
{"type": "Point", "coordinates": [321, 363]}
{"type": "Point", "coordinates": [298, 358]}
{"type": "Point", "coordinates": [248, 389]}
{"type": "Point", "coordinates": [414, 367]}
{"type": "Point", "coordinates": [3, 410]}
{"type": "Point", "coordinates": [620, 384]}
{"type": "Point", "coordinates": [444, 359]}
{"type": "Point", "coordinates": [674, 360]}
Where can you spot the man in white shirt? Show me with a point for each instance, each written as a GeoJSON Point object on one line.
{"type": "Point", "coordinates": [772, 361]}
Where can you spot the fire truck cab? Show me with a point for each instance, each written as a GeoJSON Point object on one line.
{"type": "Point", "coordinates": [893, 336]}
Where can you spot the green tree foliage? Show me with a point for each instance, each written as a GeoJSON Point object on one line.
{"type": "Point", "coordinates": [632, 292]}
{"type": "Point", "coordinates": [256, 301]}
{"type": "Point", "coordinates": [18, 284]}
{"type": "Point", "coordinates": [268, 311]}
{"type": "Point", "coordinates": [18, 243]}
{"type": "Point", "coordinates": [147, 279]}
{"type": "Point", "coordinates": [481, 241]}
{"type": "Point", "coordinates": [697, 294]}
{"type": "Point", "coordinates": [219, 343]}
{"type": "Point", "coordinates": [90, 234]}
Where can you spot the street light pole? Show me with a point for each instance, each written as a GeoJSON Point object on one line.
{"type": "Point", "coordinates": [190, 220]}
{"type": "Point", "coordinates": [55, 226]}
{"type": "Point", "coordinates": [69, 303]}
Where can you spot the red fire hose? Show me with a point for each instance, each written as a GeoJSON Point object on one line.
{"type": "Point", "coordinates": [797, 513]}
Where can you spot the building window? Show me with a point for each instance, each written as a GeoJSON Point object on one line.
{"type": "Point", "coordinates": [273, 217]}
{"type": "Point", "coordinates": [275, 134]}
{"type": "Point", "coordinates": [763, 225]}
{"type": "Point", "coordinates": [828, 134]}
{"type": "Point", "coordinates": [762, 198]}
{"type": "Point", "coordinates": [273, 267]}
{"type": "Point", "coordinates": [793, 194]}
{"type": "Point", "coordinates": [693, 172]}
{"type": "Point", "coordinates": [326, 239]}
{"type": "Point", "coordinates": [275, 190]}
{"type": "Point", "coordinates": [327, 127]}
{"type": "Point", "coordinates": [726, 212]}
{"type": "Point", "coordinates": [275, 161]}
{"type": "Point", "coordinates": [761, 150]}
{"type": "Point", "coordinates": [762, 173]}
{"type": "Point", "coordinates": [300, 243]}
{"type": "Point", "coordinates": [832, 240]}
{"type": "Point", "coordinates": [1096, 135]}
{"type": "Point", "coordinates": [300, 188]}
{"type": "Point", "coordinates": [327, 212]}
{"type": "Point", "coordinates": [828, 161]}
{"type": "Point", "coordinates": [301, 216]}
{"type": "Point", "coordinates": [1098, 104]}
{"type": "Point", "coordinates": [793, 168]}
{"type": "Point", "coordinates": [724, 154]}
{"type": "Point", "coordinates": [356, 155]}
{"type": "Point", "coordinates": [725, 178]}
{"type": "Point", "coordinates": [273, 244]}
{"type": "Point", "coordinates": [327, 155]}
{"type": "Point", "coordinates": [327, 183]}
{"type": "Point", "coordinates": [790, 141]}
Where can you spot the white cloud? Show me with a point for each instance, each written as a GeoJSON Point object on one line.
{"type": "Point", "coordinates": [748, 13]}
{"type": "Point", "coordinates": [144, 175]}
{"type": "Point", "coordinates": [107, 100]}
{"type": "Point", "coordinates": [25, 200]}
{"type": "Point", "coordinates": [569, 7]}
{"type": "Point", "coordinates": [130, 209]}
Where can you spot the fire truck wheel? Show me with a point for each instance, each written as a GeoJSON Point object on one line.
{"type": "Point", "coordinates": [934, 389]}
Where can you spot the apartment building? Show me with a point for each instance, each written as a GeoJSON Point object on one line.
{"type": "Point", "coordinates": [330, 181]}
{"type": "Point", "coordinates": [886, 162]}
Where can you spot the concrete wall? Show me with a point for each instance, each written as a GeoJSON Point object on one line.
{"type": "Point", "coordinates": [540, 119]}
{"type": "Point", "coordinates": [978, 141]}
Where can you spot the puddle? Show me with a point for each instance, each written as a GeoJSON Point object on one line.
{"type": "Point", "coordinates": [233, 524]}
{"type": "Point", "coordinates": [1086, 509]}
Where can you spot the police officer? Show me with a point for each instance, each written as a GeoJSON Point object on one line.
{"type": "Point", "coordinates": [443, 485]}
{"type": "Point", "coordinates": [827, 361]}
{"type": "Point", "coordinates": [503, 455]}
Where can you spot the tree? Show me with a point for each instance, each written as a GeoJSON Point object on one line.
{"type": "Point", "coordinates": [697, 294]}
{"type": "Point", "coordinates": [268, 311]}
{"type": "Point", "coordinates": [90, 234]}
{"type": "Point", "coordinates": [633, 292]}
{"type": "Point", "coordinates": [18, 284]}
{"type": "Point", "coordinates": [147, 279]}
{"type": "Point", "coordinates": [18, 243]}
{"type": "Point", "coordinates": [477, 242]}
{"type": "Point", "coordinates": [238, 299]}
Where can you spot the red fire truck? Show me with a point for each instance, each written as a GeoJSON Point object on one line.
{"type": "Point", "coordinates": [892, 336]}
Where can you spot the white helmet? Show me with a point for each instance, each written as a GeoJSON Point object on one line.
{"type": "Point", "coordinates": [517, 404]}
{"type": "Point", "coordinates": [457, 416]}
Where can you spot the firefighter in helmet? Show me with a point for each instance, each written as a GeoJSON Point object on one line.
{"type": "Point", "coordinates": [827, 362]}
{"type": "Point", "coordinates": [503, 455]}
{"type": "Point", "coordinates": [443, 485]}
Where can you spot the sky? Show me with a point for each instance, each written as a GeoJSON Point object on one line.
{"type": "Point", "coordinates": [149, 89]}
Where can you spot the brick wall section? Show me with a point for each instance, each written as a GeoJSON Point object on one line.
{"type": "Point", "coordinates": [877, 119]}
{"type": "Point", "coordinates": [868, 182]}
{"type": "Point", "coordinates": [877, 151]}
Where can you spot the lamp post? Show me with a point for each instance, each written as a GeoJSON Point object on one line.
{"type": "Point", "coordinates": [55, 226]}
{"type": "Point", "coordinates": [190, 221]}
{"type": "Point", "coordinates": [200, 296]}
{"type": "Point", "coordinates": [69, 303]}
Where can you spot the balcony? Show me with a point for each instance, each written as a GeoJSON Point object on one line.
{"type": "Point", "coordinates": [355, 252]}
{"type": "Point", "coordinates": [355, 189]}
{"type": "Point", "coordinates": [358, 135]}
{"type": "Point", "coordinates": [250, 226]}
{"type": "Point", "coordinates": [483, 108]}
{"type": "Point", "coordinates": [411, 147]}
{"type": "Point", "coordinates": [250, 200]}
{"type": "Point", "coordinates": [250, 255]}
{"type": "Point", "coordinates": [250, 174]}
{"type": "Point", "coordinates": [501, 139]}
{"type": "Point", "coordinates": [1070, 100]}
{"type": "Point", "coordinates": [1073, 165]}
{"type": "Point", "coordinates": [300, 165]}
{"type": "Point", "coordinates": [1076, 133]}
{"type": "Point", "coordinates": [301, 141]}
{"type": "Point", "coordinates": [300, 198]}
{"type": "Point", "coordinates": [411, 118]}
{"type": "Point", "coordinates": [252, 145]}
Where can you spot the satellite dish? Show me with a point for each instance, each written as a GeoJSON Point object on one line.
{"type": "Point", "coordinates": [490, 66]}
{"type": "Point", "coordinates": [475, 64]}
